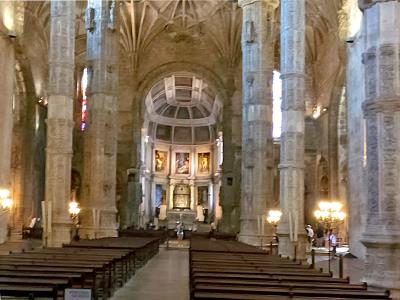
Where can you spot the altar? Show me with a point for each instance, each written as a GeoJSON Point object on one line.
{"type": "Point", "coordinates": [188, 217]}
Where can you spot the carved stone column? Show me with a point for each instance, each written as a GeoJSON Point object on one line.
{"type": "Point", "coordinates": [192, 196]}
{"type": "Point", "coordinates": [382, 113]}
{"type": "Point", "coordinates": [101, 135]}
{"type": "Point", "coordinates": [291, 228]}
{"type": "Point", "coordinates": [60, 122]}
{"type": "Point", "coordinates": [231, 168]}
{"type": "Point", "coordinates": [257, 143]}
{"type": "Point", "coordinates": [7, 64]}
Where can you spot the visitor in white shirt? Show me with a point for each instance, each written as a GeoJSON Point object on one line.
{"type": "Point", "coordinates": [332, 240]}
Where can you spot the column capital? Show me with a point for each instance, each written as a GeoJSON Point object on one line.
{"type": "Point", "coordinates": [365, 4]}
{"type": "Point", "coordinates": [381, 106]}
{"type": "Point", "coordinates": [243, 3]}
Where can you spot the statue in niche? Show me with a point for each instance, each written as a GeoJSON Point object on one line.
{"type": "Point", "coordinates": [203, 202]}
{"type": "Point", "coordinates": [160, 160]}
{"type": "Point", "coordinates": [202, 195]}
{"type": "Point", "coordinates": [204, 162]}
{"type": "Point", "coordinates": [182, 163]}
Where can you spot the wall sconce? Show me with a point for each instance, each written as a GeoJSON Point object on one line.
{"type": "Point", "coordinates": [5, 201]}
{"type": "Point", "coordinates": [316, 111]}
{"type": "Point", "coordinates": [42, 101]}
{"type": "Point", "coordinates": [274, 216]}
{"type": "Point", "coordinates": [74, 209]}
{"type": "Point", "coordinates": [8, 19]}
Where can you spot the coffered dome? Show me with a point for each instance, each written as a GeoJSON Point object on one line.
{"type": "Point", "coordinates": [182, 109]}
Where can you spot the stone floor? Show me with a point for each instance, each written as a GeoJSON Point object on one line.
{"type": "Point", "coordinates": [164, 277]}
{"type": "Point", "coordinates": [352, 267]}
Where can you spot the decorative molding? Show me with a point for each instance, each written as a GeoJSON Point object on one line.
{"type": "Point", "coordinates": [365, 4]}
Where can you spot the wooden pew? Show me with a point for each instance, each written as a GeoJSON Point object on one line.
{"type": "Point", "coordinates": [232, 270]}
{"type": "Point", "coordinates": [28, 292]}
{"type": "Point", "coordinates": [101, 265]}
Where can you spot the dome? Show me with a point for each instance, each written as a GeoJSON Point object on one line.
{"type": "Point", "coordinates": [182, 109]}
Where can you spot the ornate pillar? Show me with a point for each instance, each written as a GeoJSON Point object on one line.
{"type": "Point", "coordinates": [171, 194]}
{"type": "Point", "coordinates": [382, 114]}
{"type": "Point", "coordinates": [211, 199]}
{"type": "Point", "coordinates": [192, 192]}
{"type": "Point", "coordinates": [7, 65]}
{"type": "Point", "coordinates": [257, 143]}
{"type": "Point", "coordinates": [59, 123]}
{"type": "Point", "coordinates": [291, 228]}
{"type": "Point", "coordinates": [100, 155]}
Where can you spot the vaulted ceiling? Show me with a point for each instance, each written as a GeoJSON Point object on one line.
{"type": "Point", "coordinates": [216, 22]}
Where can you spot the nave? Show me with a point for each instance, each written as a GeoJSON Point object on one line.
{"type": "Point", "coordinates": [164, 277]}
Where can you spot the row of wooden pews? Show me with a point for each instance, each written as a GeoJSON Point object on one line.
{"type": "Point", "coordinates": [101, 265]}
{"type": "Point", "coordinates": [232, 270]}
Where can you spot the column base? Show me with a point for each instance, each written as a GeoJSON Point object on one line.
{"type": "Point", "coordinates": [381, 268]}
{"type": "Point", "coordinates": [287, 248]}
{"type": "Point", "coordinates": [98, 223]}
{"type": "Point", "coordinates": [252, 234]}
{"type": "Point", "coordinates": [97, 233]}
{"type": "Point", "coordinates": [262, 241]}
{"type": "Point", "coordinates": [230, 221]}
{"type": "Point", "coordinates": [61, 233]}
{"type": "Point", "coordinates": [395, 294]}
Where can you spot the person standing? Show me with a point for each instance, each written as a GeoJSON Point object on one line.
{"type": "Point", "coordinates": [332, 241]}
{"type": "Point", "coordinates": [310, 236]}
{"type": "Point", "coordinates": [320, 237]}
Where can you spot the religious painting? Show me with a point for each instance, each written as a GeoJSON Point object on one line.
{"type": "Point", "coordinates": [160, 160]}
{"type": "Point", "coordinates": [204, 162]}
{"type": "Point", "coordinates": [182, 163]}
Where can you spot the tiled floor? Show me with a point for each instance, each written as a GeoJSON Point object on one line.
{"type": "Point", "coordinates": [165, 277]}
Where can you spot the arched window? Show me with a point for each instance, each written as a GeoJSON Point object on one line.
{"type": "Point", "coordinates": [84, 84]}
{"type": "Point", "coordinates": [276, 105]}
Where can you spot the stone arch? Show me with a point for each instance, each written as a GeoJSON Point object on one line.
{"type": "Point", "coordinates": [149, 79]}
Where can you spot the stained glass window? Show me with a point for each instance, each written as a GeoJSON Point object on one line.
{"type": "Point", "coordinates": [84, 84]}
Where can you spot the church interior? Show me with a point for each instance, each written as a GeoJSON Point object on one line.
{"type": "Point", "coordinates": [258, 134]}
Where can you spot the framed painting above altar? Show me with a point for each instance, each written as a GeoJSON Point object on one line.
{"type": "Point", "coordinates": [203, 162]}
{"type": "Point", "coordinates": [182, 163]}
{"type": "Point", "coordinates": [160, 161]}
